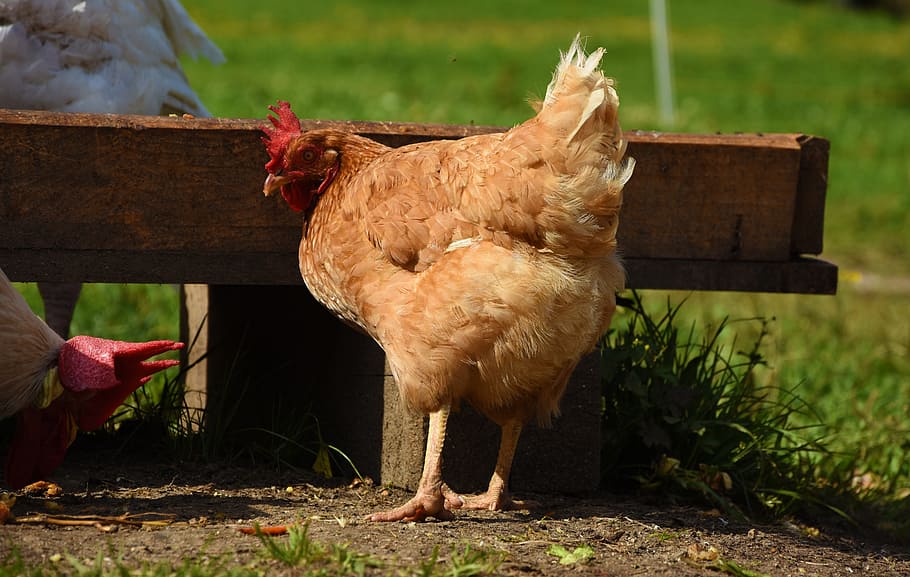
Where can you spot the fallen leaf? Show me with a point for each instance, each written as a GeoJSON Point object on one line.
{"type": "Point", "coordinates": [566, 557]}
{"type": "Point", "coordinates": [811, 531]}
{"type": "Point", "coordinates": [322, 464]}
{"type": "Point", "coordinates": [698, 553]}
{"type": "Point", "coordinates": [42, 489]}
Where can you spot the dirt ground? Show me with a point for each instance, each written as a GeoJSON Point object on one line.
{"type": "Point", "coordinates": [207, 504]}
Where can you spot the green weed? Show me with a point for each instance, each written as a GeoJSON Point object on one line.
{"type": "Point", "coordinates": [297, 550]}
{"type": "Point", "coordinates": [684, 411]}
{"type": "Point", "coordinates": [471, 561]}
{"type": "Point", "coordinates": [112, 566]}
{"type": "Point", "coordinates": [301, 551]}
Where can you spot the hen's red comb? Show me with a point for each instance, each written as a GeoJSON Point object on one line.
{"type": "Point", "coordinates": [286, 126]}
{"type": "Point", "coordinates": [110, 371]}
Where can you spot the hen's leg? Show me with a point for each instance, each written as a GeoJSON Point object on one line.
{"type": "Point", "coordinates": [59, 303]}
{"type": "Point", "coordinates": [429, 500]}
{"type": "Point", "coordinates": [497, 497]}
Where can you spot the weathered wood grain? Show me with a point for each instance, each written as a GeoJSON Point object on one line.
{"type": "Point", "coordinates": [156, 199]}
{"type": "Point", "coordinates": [809, 214]}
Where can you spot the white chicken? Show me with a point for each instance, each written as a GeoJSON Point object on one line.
{"type": "Point", "coordinates": [105, 56]}
{"type": "Point", "coordinates": [102, 56]}
{"type": "Point", "coordinates": [57, 387]}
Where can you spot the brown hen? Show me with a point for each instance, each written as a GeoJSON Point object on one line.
{"type": "Point", "coordinates": [484, 267]}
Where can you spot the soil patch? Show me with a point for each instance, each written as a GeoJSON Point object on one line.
{"type": "Point", "coordinates": [207, 503]}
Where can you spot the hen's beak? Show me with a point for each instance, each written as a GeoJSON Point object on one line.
{"type": "Point", "coordinates": [273, 182]}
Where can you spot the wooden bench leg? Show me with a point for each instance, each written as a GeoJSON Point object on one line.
{"type": "Point", "coordinates": [564, 458]}
{"type": "Point", "coordinates": [194, 299]}
{"type": "Point", "coordinates": [273, 351]}
{"type": "Point", "coordinates": [273, 355]}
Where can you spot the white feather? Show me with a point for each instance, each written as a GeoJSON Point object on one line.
{"type": "Point", "coordinates": [28, 350]}
{"type": "Point", "coordinates": [115, 56]}
{"type": "Point", "coordinates": [462, 243]}
{"type": "Point", "coordinates": [576, 64]}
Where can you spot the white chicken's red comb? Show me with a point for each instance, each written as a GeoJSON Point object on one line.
{"type": "Point", "coordinates": [110, 370]}
{"type": "Point", "coordinates": [286, 127]}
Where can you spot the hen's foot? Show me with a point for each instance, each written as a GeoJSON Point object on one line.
{"type": "Point", "coordinates": [491, 501]}
{"type": "Point", "coordinates": [417, 509]}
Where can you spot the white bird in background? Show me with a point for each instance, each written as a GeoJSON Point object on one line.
{"type": "Point", "coordinates": [102, 56]}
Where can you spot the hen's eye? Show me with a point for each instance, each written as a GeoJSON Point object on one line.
{"type": "Point", "coordinates": [309, 155]}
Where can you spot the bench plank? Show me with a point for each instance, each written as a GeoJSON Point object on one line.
{"type": "Point", "coordinates": [170, 200]}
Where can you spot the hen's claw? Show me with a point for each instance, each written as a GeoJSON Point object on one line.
{"type": "Point", "coordinates": [453, 500]}
{"type": "Point", "coordinates": [487, 501]}
{"type": "Point", "coordinates": [417, 509]}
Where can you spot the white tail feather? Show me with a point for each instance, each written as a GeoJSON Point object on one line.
{"type": "Point", "coordinates": [577, 76]}
{"type": "Point", "coordinates": [574, 57]}
{"type": "Point", "coordinates": [580, 116]}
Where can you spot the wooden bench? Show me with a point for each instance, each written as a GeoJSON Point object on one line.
{"type": "Point", "coordinates": [105, 198]}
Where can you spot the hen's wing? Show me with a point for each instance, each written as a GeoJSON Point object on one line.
{"type": "Point", "coordinates": [419, 200]}
{"type": "Point", "coordinates": [111, 56]}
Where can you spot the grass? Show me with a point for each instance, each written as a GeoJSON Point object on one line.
{"type": "Point", "coordinates": [299, 550]}
{"type": "Point", "coordinates": [769, 65]}
{"type": "Point", "coordinates": [847, 357]}
{"type": "Point", "coordinates": [695, 410]}
{"type": "Point", "coordinates": [297, 553]}
{"type": "Point", "coordinates": [684, 410]}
